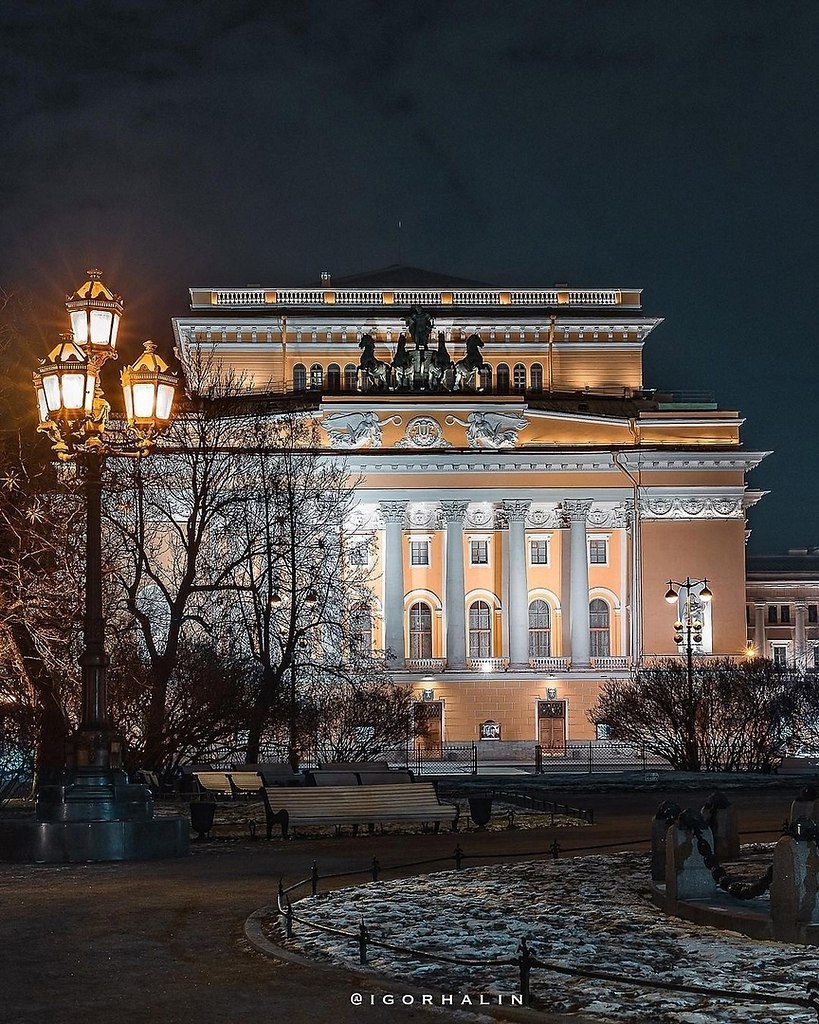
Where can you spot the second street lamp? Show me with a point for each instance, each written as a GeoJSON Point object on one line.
{"type": "Point", "coordinates": [93, 812]}
{"type": "Point", "coordinates": [688, 630]}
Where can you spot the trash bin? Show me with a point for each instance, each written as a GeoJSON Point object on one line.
{"type": "Point", "coordinates": [202, 813]}
{"type": "Point", "coordinates": [480, 810]}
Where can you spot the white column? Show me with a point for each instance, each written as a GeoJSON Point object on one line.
{"type": "Point", "coordinates": [453, 513]}
{"type": "Point", "coordinates": [392, 514]}
{"type": "Point", "coordinates": [518, 584]}
{"type": "Point", "coordinates": [759, 630]}
{"type": "Point", "coordinates": [801, 652]}
{"type": "Point", "coordinates": [576, 512]}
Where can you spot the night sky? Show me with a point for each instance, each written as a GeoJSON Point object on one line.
{"type": "Point", "coordinates": [671, 146]}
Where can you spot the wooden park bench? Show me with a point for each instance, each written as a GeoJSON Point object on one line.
{"type": "Point", "coordinates": [274, 773]}
{"type": "Point", "coordinates": [355, 805]}
{"type": "Point", "coordinates": [215, 783]}
{"type": "Point", "coordinates": [322, 778]}
{"type": "Point", "coordinates": [395, 777]}
{"type": "Point", "coordinates": [355, 766]}
{"type": "Point", "coordinates": [245, 784]}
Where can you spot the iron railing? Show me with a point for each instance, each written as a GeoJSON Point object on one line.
{"type": "Point", "coordinates": [596, 756]}
{"type": "Point", "coordinates": [446, 759]}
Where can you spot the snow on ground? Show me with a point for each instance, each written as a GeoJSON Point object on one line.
{"type": "Point", "coordinates": [588, 912]}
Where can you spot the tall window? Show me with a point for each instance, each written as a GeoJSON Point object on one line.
{"type": "Point", "coordinates": [485, 377]}
{"type": "Point", "coordinates": [599, 629]}
{"type": "Point", "coordinates": [540, 630]}
{"type": "Point", "coordinates": [361, 628]}
{"type": "Point", "coordinates": [420, 630]}
{"type": "Point", "coordinates": [502, 379]}
{"type": "Point", "coordinates": [350, 377]}
{"type": "Point", "coordinates": [480, 630]}
{"type": "Point", "coordinates": [316, 376]}
{"type": "Point", "coordinates": [771, 613]}
{"type": "Point", "coordinates": [519, 377]}
{"type": "Point", "coordinates": [536, 377]}
{"type": "Point", "coordinates": [334, 377]}
{"type": "Point", "coordinates": [299, 377]}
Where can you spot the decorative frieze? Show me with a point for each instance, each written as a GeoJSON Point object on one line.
{"type": "Point", "coordinates": [423, 432]}
{"type": "Point", "coordinates": [356, 429]}
{"type": "Point", "coordinates": [481, 517]}
{"type": "Point", "coordinates": [491, 429]}
{"type": "Point", "coordinates": [691, 507]}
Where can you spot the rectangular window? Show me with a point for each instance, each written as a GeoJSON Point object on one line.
{"type": "Point", "coordinates": [812, 614]}
{"type": "Point", "coordinates": [771, 613]}
{"type": "Point", "coordinates": [598, 552]}
{"type": "Point", "coordinates": [479, 552]}
{"type": "Point", "coordinates": [785, 613]}
{"type": "Point", "coordinates": [419, 552]}
{"type": "Point", "coordinates": [538, 552]}
{"type": "Point", "coordinates": [359, 554]}
{"type": "Point", "coordinates": [780, 654]}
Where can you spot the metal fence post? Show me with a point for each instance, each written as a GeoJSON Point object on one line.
{"type": "Point", "coordinates": [525, 967]}
{"type": "Point", "coordinates": [314, 879]}
{"type": "Point", "coordinates": [376, 869]}
{"type": "Point", "coordinates": [591, 769]}
{"type": "Point", "coordinates": [363, 939]}
{"type": "Point", "coordinates": [459, 856]}
{"type": "Point", "coordinates": [538, 759]}
{"type": "Point", "coordinates": [288, 920]}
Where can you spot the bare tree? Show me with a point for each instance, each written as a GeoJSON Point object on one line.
{"type": "Point", "coordinates": [745, 713]}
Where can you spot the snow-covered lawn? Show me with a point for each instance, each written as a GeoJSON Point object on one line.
{"type": "Point", "coordinates": [588, 912]}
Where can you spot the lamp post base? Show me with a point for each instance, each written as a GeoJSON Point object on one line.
{"type": "Point", "coordinates": [93, 814]}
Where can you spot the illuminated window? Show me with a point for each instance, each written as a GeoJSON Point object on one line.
{"type": "Point", "coordinates": [350, 377]}
{"type": "Point", "coordinates": [480, 630]}
{"type": "Point", "coordinates": [334, 377]}
{"type": "Point", "coordinates": [536, 377]}
{"type": "Point", "coordinates": [316, 376]}
{"type": "Point", "coordinates": [420, 630]}
{"type": "Point", "coordinates": [299, 377]}
{"type": "Point", "coordinates": [519, 377]}
{"type": "Point", "coordinates": [485, 377]}
{"type": "Point", "coordinates": [540, 630]}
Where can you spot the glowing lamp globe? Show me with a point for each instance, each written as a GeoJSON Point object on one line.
{"type": "Point", "coordinates": [95, 312]}
{"type": "Point", "coordinates": [149, 387]}
{"type": "Point", "coordinates": [65, 382]}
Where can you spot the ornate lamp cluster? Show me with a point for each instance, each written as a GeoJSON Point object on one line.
{"type": "Point", "coordinates": [72, 408]}
{"type": "Point", "coordinates": [689, 629]}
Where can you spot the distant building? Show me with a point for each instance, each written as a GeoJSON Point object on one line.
{"type": "Point", "coordinates": [783, 607]}
{"type": "Point", "coordinates": [529, 502]}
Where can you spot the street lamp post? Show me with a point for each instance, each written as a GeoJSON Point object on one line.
{"type": "Point", "coordinates": [94, 812]}
{"type": "Point", "coordinates": [688, 633]}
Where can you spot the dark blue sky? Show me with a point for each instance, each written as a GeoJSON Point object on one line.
{"type": "Point", "coordinates": [667, 145]}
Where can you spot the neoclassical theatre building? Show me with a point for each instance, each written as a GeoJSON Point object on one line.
{"type": "Point", "coordinates": [529, 496]}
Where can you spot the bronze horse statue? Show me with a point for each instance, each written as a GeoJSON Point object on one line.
{"type": "Point", "coordinates": [374, 374]}
{"type": "Point", "coordinates": [466, 368]}
{"type": "Point", "coordinates": [439, 366]}
{"type": "Point", "coordinates": [402, 364]}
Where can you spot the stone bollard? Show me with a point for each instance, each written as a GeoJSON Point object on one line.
{"type": "Point", "coordinates": [806, 805]}
{"type": "Point", "coordinates": [666, 813]}
{"type": "Point", "coordinates": [721, 817]}
{"type": "Point", "coordinates": [795, 884]}
{"type": "Point", "coordinates": [686, 876]}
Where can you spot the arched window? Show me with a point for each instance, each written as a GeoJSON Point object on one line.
{"type": "Point", "coordinates": [536, 377]}
{"type": "Point", "coordinates": [361, 629]}
{"type": "Point", "coordinates": [334, 377]}
{"type": "Point", "coordinates": [519, 377]}
{"type": "Point", "coordinates": [540, 630]}
{"type": "Point", "coordinates": [316, 376]}
{"type": "Point", "coordinates": [420, 630]}
{"type": "Point", "coordinates": [350, 377]}
{"type": "Point", "coordinates": [485, 377]}
{"type": "Point", "coordinates": [299, 377]}
{"type": "Point", "coordinates": [502, 378]}
{"type": "Point", "coordinates": [599, 629]}
{"type": "Point", "coordinates": [480, 630]}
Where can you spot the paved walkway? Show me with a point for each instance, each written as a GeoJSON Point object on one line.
{"type": "Point", "coordinates": [163, 942]}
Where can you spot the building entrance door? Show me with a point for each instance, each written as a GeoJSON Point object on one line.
{"type": "Point", "coordinates": [430, 715]}
{"type": "Point", "coordinates": [551, 727]}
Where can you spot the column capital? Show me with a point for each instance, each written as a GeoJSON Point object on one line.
{"type": "Point", "coordinates": [454, 511]}
{"type": "Point", "coordinates": [575, 510]}
{"type": "Point", "coordinates": [516, 508]}
{"type": "Point", "coordinates": [801, 606]}
{"type": "Point", "coordinates": [393, 511]}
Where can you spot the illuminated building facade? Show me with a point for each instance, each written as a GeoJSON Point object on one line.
{"type": "Point", "coordinates": [528, 496]}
